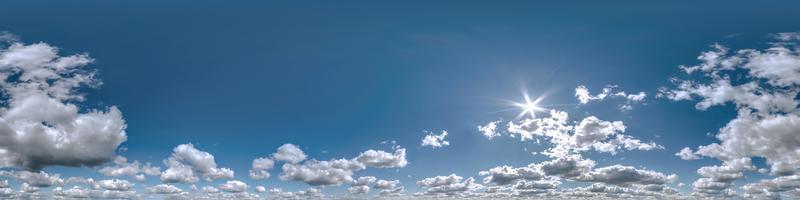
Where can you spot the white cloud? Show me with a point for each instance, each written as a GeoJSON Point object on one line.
{"type": "Point", "coordinates": [289, 153]}
{"type": "Point", "coordinates": [451, 185]}
{"type": "Point", "coordinates": [590, 133]}
{"type": "Point", "coordinates": [764, 92]}
{"type": "Point", "coordinates": [133, 169]}
{"type": "Point", "coordinates": [310, 193]}
{"type": "Point", "coordinates": [115, 184]}
{"type": "Point", "coordinates": [382, 159]}
{"type": "Point", "coordinates": [187, 162]}
{"type": "Point", "coordinates": [435, 141]}
{"type": "Point", "coordinates": [322, 173]}
{"type": "Point", "coordinates": [165, 189]}
{"type": "Point", "coordinates": [42, 124]}
{"type": "Point", "coordinates": [260, 189]}
{"type": "Point", "coordinates": [584, 96]}
{"type": "Point", "coordinates": [210, 189]}
{"type": "Point", "coordinates": [627, 175]}
{"type": "Point", "coordinates": [489, 130]}
{"type": "Point", "coordinates": [389, 188]}
{"type": "Point", "coordinates": [35, 179]}
{"type": "Point", "coordinates": [505, 175]}
{"type": "Point", "coordinates": [89, 193]}
{"type": "Point", "coordinates": [361, 185]}
{"type": "Point", "coordinates": [687, 154]}
{"type": "Point", "coordinates": [259, 169]}
{"type": "Point", "coordinates": [233, 186]}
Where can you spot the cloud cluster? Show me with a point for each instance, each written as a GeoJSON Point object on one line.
{"type": "Point", "coordinates": [590, 133]}
{"type": "Point", "coordinates": [41, 123]}
{"type": "Point", "coordinates": [763, 85]}
{"type": "Point", "coordinates": [121, 167]}
{"type": "Point", "coordinates": [339, 171]}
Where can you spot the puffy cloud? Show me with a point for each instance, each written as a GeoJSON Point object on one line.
{"type": "Point", "coordinates": [772, 188]}
{"type": "Point", "coordinates": [489, 130]}
{"type": "Point", "coordinates": [233, 186]}
{"type": "Point", "coordinates": [451, 185]}
{"type": "Point", "coordinates": [310, 193]}
{"type": "Point", "coordinates": [34, 179]}
{"type": "Point", "coordinates": [259, 169]}
{"type": "Point", "coordinates": [364, 180]}
{"type": "Point", "coordinates": [289, 153]}
{"type": "Point", "coordinates": [358, 189]}
{"type": "Point", "coordinates": [322, 173]}
{"type": "Point", "coordinates": [84, 193]}
{"type": "Point", "coordinates": [571, 166]}
{"type": "Point", "coordinates": [687, 154]}
{"type": "Point", "coordinates": [589, 133]}
{"type": "Point", "coordinates": [186, 161]}
{"type": "Point", "coordinates": [260, 189]}
{"type": "Point", "coordinates": [164, 189]}
{"type": "Point", "coordinates": [435, 141]}
{"type": "Point", "coordinates": [389, 188]}
{"type": "Point", "coordinates": [210, 189]}
{"type": "Point", "coordinates": [41, 124]}
{"type": "Point", "coordinates": [133, 169]}
{"type": "Point", "coordinates": [505, 175]}
{"type": "Point", "coordinates": [339, 171]}
{"type": "Point", "coordinates": [626, 175]}
{"type": "Point", "coordinates": [361, 185]}
{"type": "Point", "coordinates": [115, 184]}
{"type": "Point", "coordinates": [382, 159]}
{"type": "Point", "coordinates": [764, 92]}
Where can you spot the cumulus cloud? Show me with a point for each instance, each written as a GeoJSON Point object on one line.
{"type": "Point", "coordinates": [339, 171]}
{"type": "Point", "coordinates": [361, 185]}
{"type": "Point", "coordinates": [289, 153]}
{"type": "Point", "coordinates": [115, 184]}
{"type": "Point", "coordinates": [687, 154]}
{"type": "Point", "coordinates": [310, 193]}
{"type": "Point", "coordinates": [41, 123]}
{"type": "Point", "coordinates": [233, 186]}
{"type": "Point", "coordinates": [187, 163]}
{"type": "Point", "coordinates": [627, 175]}
{"type": "Point", "coordinates": [35, 179]}
{"type": "Point", "coordinates": [382, 159]}
{"type": "Point", "coordinates": [322, 173]}
{"type": "Point", "coordinates": [505, 175]}
{"type": "Point", "coordinates": [260, 189]}
{"type": "Point", "coordinates": [591, 133]}
{"type": "Point", "coordinates": [767, 121]}
{"type": "Point", "coordinates": [489, 130]}
{"type": "Point", "coordinates": [135, 169]}
{"type": "Point", "coordinates": [435, 141]}
{"type": "Point", "coordinates": [259, 168]}
{"type": "Point", "coordinates": [450, 185]}
{"type": "Point", "coordinates": [389, 188]}
{"type": "Point", "coordinates": [164, 189]}
{"type": "Point", "coordinates": [90, 193]}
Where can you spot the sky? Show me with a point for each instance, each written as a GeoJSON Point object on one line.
{"type": "Point", "coordinates": [399, 100]}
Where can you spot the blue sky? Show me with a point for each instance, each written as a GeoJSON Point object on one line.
{"type": "Point", "coordinates": [240, 79]}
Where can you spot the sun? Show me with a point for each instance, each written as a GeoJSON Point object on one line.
{"type": "Point", "coordinates": [528, 106]}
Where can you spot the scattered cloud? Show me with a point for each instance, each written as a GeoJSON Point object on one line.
{"type": "Point", "coordinates": [435, 141]}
